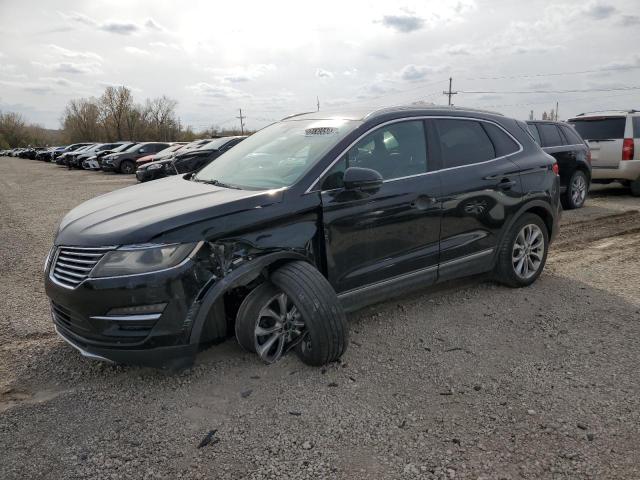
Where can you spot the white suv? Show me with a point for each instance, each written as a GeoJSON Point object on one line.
{"type": "Point", "coordinates": [614, 140]}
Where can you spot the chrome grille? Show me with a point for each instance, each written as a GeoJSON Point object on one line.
{"type": "Point", "coordinates": [74, 264]}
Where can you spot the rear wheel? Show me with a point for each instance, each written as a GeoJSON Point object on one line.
{"type": "Point", "coordinates": [635, 188]}
{"type": "Point", "coordinates": [523, 253]}
{"type": "Point", "coordinates": [127, 166]}
{"type": "Point", "coordinates": [576, 193]}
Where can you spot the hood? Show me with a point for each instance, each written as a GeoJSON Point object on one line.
{"type": "Point", "coordinates": [143, 212]}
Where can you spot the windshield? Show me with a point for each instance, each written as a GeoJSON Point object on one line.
{"type": "Point", "coordinates": [214, 144]}
{"type": "Point", "coordinates": [134, 146]}
{"type": "Point", "coordinates": [123, 147]}
{"type": "Point", "coordinates": [278, 155]}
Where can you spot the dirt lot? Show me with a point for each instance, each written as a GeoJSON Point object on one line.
{"type": "Point", "coordinates": [471, 380]}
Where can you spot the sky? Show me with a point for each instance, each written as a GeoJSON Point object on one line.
{"type": "Point", "coordinates": [274, 58]}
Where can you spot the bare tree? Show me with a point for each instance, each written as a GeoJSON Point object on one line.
{"type": "Point", "coordinates": [160, 114]}
{"type": "Point", "coordinates": [116, 104]}
{"type": "Point", "coordinates": [81, 120]}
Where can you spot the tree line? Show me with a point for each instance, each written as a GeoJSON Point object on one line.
{"type": "Point", "coordinates": [113, 116]}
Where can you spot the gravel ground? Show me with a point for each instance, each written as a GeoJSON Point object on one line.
{"type": "Point", "coordinates": [468, 380]}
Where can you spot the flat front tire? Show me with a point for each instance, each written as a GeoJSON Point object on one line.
{"type": "Point", "coordinates": [523, 252]}
{"type": "Point", "coordinates": [297, 309]}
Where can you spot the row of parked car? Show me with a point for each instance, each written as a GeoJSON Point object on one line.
{"type": "Point", "coordinates": [148, 160]}
{"type": "Point", "coordinates": [590, 148]}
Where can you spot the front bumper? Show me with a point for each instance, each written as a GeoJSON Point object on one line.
{"type": "Point", "coordinates": [108, 167]}
{"type": "Point", "coordinates": [84, 317]}
{"type": "Point", "coordinates": [146, 174]}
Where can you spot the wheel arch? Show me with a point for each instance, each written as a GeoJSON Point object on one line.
{"type": "Point", "coordinates": [240, 277]}
{"type": "Point", "coordinates": [538, 207]}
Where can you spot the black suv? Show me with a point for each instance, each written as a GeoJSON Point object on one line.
{"type": "Point", "coordinates": [311, 217]}
{"type": "Point", "coordinates": [188, 161]}
{"type": "Point", "coordinates": [125, 162]}
{"type": "Point", "coordinates": [572, 153]}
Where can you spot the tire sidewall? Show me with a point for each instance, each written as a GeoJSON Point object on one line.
{"type": "Point", "coordinates": [505, 263]}
{"type": "Point", "coordinates": [569, 203]}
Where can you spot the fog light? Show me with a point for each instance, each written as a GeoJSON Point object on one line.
{"type": "Point", "coordinates": [138, 310]}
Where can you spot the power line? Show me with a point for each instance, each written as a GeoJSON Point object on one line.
{"type": "Point", "coordinates": [550, 91]}
{"type": "Point", "coordinates": [556, 74]}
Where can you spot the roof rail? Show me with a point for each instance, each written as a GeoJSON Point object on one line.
{"type": "Point", "coordinates": [295, 115]}
{"type": "Point", "coordinates": [604, 111]}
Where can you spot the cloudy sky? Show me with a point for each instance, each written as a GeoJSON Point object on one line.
{"type": "Point", "coordinates": [273, 58]}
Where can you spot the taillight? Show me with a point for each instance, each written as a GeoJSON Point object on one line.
{"type": "Point", "coordinates": [556, 169]}
{"type": "Point", "coordinates": [627, 149]}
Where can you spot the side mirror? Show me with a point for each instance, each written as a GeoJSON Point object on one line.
{"type": "Point", "coordinates": [356, 178]}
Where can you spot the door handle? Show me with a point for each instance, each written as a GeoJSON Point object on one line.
{"type": "Point", "coordinates": [506, 184]}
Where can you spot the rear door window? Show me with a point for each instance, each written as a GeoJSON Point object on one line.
{"type": "Point", "coordinates": [600, 128]}
{"type": "Point", "coordinates": [463, 142]}
{"type": "Point", "coordinates": [550, 135]}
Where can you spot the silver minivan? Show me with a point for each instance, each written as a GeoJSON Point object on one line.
{"type": "Point", "coordinates": [614, 140]}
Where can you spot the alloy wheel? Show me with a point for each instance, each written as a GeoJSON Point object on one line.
{"type": "Point", "coordinates": [278, 328]}
{"type": "Point", "coordinates": [578, 190]}
{"type": "Point", "coordinates": [528, 251]}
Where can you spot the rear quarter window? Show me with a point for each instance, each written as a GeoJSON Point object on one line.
{"type": "Point", "coordinates": [572, 136]}
{"type": "Point", "coordinates": [503, 143]}
{"type": "Point", "coordinates": [636, 127]}
{"type": "Point", "coordinates": [600, 128]}
{"type": "Point", "coordinates": [534, 132]}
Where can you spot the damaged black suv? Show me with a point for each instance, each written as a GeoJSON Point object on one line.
{"type": "Point", "coordinates": [314, 216]}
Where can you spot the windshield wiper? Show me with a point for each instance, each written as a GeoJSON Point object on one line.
{"type": "Point", "coordinates": [217, 183]}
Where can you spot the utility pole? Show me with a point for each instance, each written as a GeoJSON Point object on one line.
{"type": "Point", "coordinates": [531, 115]}
{"type": "Point", "coordinates": [318, 101]}
{"type": "Point", "coordinates": [556, 111]}
{"type": "Point", "coordinates": [241, 117]}
{"type": "Point", "coordinates": [450, 92]}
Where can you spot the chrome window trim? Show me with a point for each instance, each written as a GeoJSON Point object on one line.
{"type": "Point", "coordinates": [408, 119]}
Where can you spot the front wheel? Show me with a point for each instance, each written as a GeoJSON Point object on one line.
{"type": "Point", "coordinates": [576, 193]}
{"type": "Point", "coordinates": [523, 253]}
{"type": "Point", "coordinates": [296, 310]}
{"type": "Point", "coordinates": [127, 166]}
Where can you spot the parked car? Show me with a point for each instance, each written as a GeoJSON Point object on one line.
{"type": "Point", "coordinates": [308, 218]}
{"type": "Point", "coordinates": [45, 154]}
{"type": "Point", "coordinates": [614, 140]}
{"type": "Point", "coordinates": [95, 162]}
{"type": "Point", "coordinates": [170, 151]}
{"type": "Point", "coordinates": [188, 161]}
{"type": "Point", "coordinates": [62, 157]}
{"type": "Point", "coordinates": [78, 158]}
{"type": "Point", "coordinates": [125, 162]}
{"type": "Point", "coordinates": [572, 153]}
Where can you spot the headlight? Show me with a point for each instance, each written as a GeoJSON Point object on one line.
{"type": "Point", "coordinates": [135, 259]}
{"type": "Point", "coordinates": [155, 166]}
